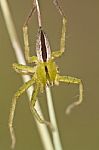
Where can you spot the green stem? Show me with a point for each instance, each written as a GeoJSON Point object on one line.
{"type": "Point", "coordinates": [55, 134]}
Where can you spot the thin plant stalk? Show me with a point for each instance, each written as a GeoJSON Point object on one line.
{"type": "Point", "coordinates": [43, 131]}
{"type": "Point", "coordinates": [55, 134]}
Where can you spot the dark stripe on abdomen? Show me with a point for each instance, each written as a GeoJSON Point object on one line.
{"type": "Point", "coordinates": [43, 47]}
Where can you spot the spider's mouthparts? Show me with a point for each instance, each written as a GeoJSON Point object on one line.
{"type": "Point", "coordinates": [49, 83]}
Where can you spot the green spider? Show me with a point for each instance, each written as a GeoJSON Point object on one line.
{"type": "Point", "coordinates": [44, 73]}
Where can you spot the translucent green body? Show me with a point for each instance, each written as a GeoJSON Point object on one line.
{"type": "Point", "coordinates": [44, 73]}
{"type": "Point", "coordinates": [46, 77]}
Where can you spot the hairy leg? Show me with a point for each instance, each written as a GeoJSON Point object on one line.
{"type": "Point", "coordinates": [12, 110]}
{"type": "Point", "coordinates": [32, 107]}
{"type": "Point", "coordinates": [29, 58]}
{"type": "Point", "coordinates": [62, 41]}
{"type": "Point", "coordinates": [73, 80]}
{"type": "Point", "coordinates": [23, 69]}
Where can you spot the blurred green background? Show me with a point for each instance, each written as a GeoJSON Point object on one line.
{"type": "Point", "coordinates": [79, 130]}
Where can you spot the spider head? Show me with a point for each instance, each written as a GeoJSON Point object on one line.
{"type": "Point", "coordinates": [46, 73]}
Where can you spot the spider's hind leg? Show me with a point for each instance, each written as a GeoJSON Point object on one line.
{"type": "Point", "coordinates": [69, 79]}
{"type": "Point", "coordinates": [29, 58]}
{"type": "Point", "coordinates": [62, 41]}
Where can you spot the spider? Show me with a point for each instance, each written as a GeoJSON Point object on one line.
{"type": "Point", "coordinates": [43, 73]}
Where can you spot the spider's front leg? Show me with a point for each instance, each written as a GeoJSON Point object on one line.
{"type": "Point", "coordinates": [73, 80]}
{"type": "Point", "coordinates": [12, 110]}
{"type": "Point", "coordinates": [32, 107]}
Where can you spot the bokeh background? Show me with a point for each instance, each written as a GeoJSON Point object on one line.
{"type": "Point", "coordinates": [79, 130]}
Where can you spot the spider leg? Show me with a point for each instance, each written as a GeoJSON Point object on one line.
{"type": "Point", "coordinates": [23, 69]}
{"type": "Point", "coordinates": [62, 41]}
{"type": "Point", "coordinates": [69, 79]}
{"type": "Point", "coordinates": [30, 13]}
{"type": "Point", "coordinates": [33, 110]}
{"type": "Point", "coordinates": [56, 3]}
{"type": "Point", "coordinates": [29, 58]}
{"type": "Point", "coordinates": [12, 110]}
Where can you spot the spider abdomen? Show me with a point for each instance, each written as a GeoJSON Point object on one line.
{"type": "Point", "coordinates": [43, 47]}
